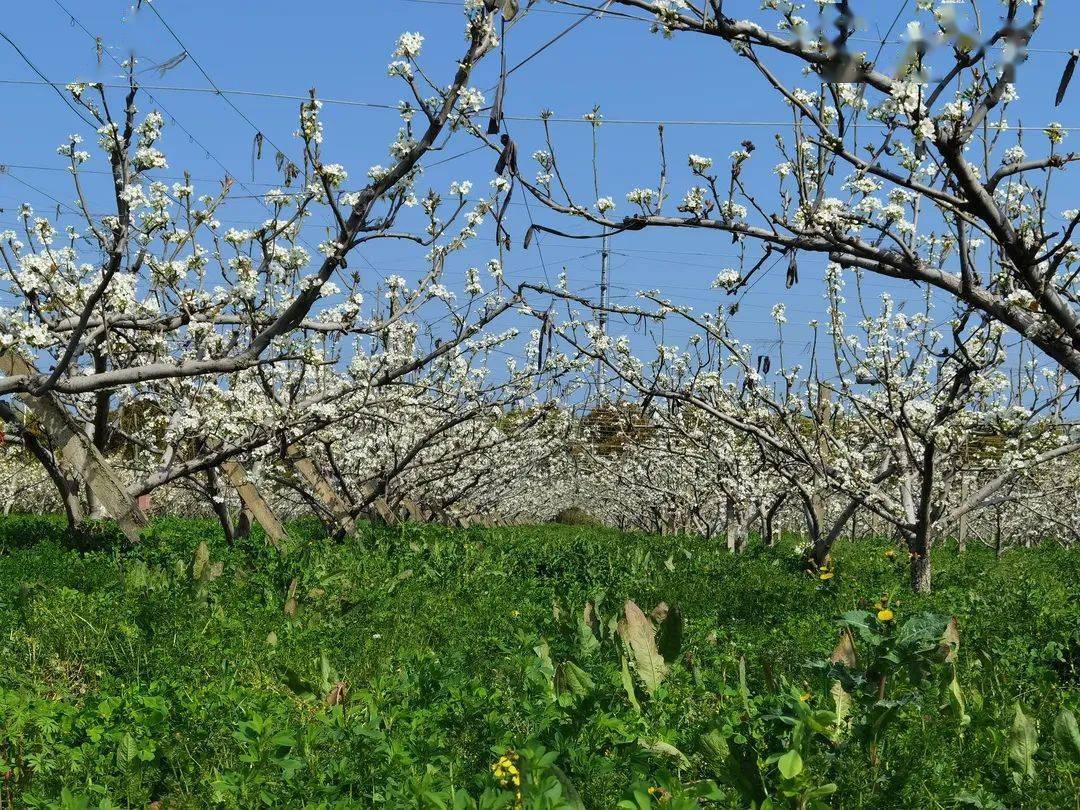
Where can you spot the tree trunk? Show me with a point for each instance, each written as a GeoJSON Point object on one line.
{"type": "Point", "coordinates": [920, 542]}
{"type": "Point", "coordinates": [768, 521]}
{"type": "Point", "coordinates": [255, 506]}
{"type": "Point", "coordinates": [217, 503]}
{"type": "Point", "coordinates": [69, 440]}
{"type": "Point", "coordinates": [920, 573]}
{"type": "Point", "coordinates": [67, 489]}
{"type": "Point", "coordinates": [325, 493]}
{"type": "Point", "coordinates": [737, 528]}
{"type": "Point", "coordinates": [962, 529]}
{"type": "Point", "coordinates": [768, 536]}
{"type": "Point", "coordinates": [242, 530]}
{"type": "Point", "coordinates": [823, 543]}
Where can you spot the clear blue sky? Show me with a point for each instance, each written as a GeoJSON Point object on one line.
{"type": "Point", "coordinates": [341, 47]}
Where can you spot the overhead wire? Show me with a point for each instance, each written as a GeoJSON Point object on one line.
{"type": "Point", "coordinates": [45, 79]}
{"type": "Point", "coordinates": [667, 122]}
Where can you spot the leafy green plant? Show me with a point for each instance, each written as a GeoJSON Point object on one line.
{"type": "Point", "coordinates": [418, 656]}
{"type": "Point", "coordinates": [879, 668]}
{"type": "Point", "coordinates": [267, 763]}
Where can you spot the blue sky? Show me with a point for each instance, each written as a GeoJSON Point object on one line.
{"type": "Point", "coordinates": [341, 47]}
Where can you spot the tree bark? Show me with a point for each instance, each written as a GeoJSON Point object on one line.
{"type": "Point", "coordinates": [737, 528]}
{"type": "Point", "coordinates": [920, 573]}
{"type": "Point", "coordinates": [243, 524]}
{"type": "Point", "coordinates": [217, 503]}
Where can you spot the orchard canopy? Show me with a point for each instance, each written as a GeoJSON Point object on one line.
{"type": "Point", "coordinates": [714, 269]}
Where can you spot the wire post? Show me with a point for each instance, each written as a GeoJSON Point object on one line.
{"type": "Point", "coordinates": [601, 316]}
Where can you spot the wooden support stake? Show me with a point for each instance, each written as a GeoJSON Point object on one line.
{"type": "Point", "coordinates": [326, 494]}
{"type": "Point", "coordinates": [255, 503]}
{"type": "Point", "coordinates": [79, 452]}
{"type": "Point", "coordinates": [381, 507]}
{"type": "Point", "coordinates": [413, 510]}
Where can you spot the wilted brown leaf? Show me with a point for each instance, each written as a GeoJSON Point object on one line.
{"type": "Point", "coordinates": [845, 651]}
{"type": "Point", "coordinates": [950, 641]}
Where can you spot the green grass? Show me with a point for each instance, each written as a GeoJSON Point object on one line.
{"type": "Point", "coordinates": [124, 681]}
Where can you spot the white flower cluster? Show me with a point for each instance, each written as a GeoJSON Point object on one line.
{"type": "Point", "coordinates": [408, 45]}
{"type": "Point", "coordinates": [699, 163]}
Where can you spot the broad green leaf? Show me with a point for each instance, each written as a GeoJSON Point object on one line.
{"type": "Point", "coordinates": [957, 698]}
{"type": "Point", "coordinates": [325, 673]}
{"type": "Point", "coordinates": [640, 637]}
{"type": "Point", "coordinates": [572, 683]}
{"type": "Point", "coordinates": [715, 747]}
{"type": "Point", "coordinates": [628, 683]}
{"type": "Point", "coordinates": [1067, 736]}
{"type": "Point", "coordinates": [126, 751]}
{"type": "Point", "coordinates": [821, 721]}
{"type": "Point", "coordinates": [587, 643]}
{"type": "Point", "coordinates": [744, 691]}
{"type": "Point", "coordinates": [1023, 742]}
{"type": "Point", "coordinates": [664, 749]}
{"type": "Point", "coordinates": [201, 561]}
{"type": "Point", "coordinates": [790, 764]}
{"type": "Point", "coordinates": [547, 666]}
{"type": "Point", "coordinates": [841, 702]}
{"type": "Point", "coordinates": [821, 791]}
{"type": "Point", "coordinates": [859, 619]}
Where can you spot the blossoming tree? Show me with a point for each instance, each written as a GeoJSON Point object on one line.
{"type": "Point", "coordinates": [157, 292]}
{"type": "Point", "coordinates": [914, 174]}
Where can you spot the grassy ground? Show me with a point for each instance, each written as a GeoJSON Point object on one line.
{"type": "Point", "coordinates": [127, 677]}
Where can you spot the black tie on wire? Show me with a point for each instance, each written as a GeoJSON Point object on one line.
{"type": "Point", "coordinates": [497, 107]}
{"type": "Point", "coordinates": [1066, 77]}
{"type": "Point", "coordinates": [507, 164]}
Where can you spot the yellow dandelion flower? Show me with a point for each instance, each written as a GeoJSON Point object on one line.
{"type": "Point", "coordinates": [826, 575]}
{"type": "Point", "coordinates": [889, 553]}
{"type": "Point", "coordinates": [885, 615]}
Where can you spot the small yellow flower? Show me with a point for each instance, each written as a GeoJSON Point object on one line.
{"type": "Point", "coordinates": [826, 575]}
{"type": "Point", "coordinates": [506, 772]}
{"type": "Point", "coordinates": [885, 615]}
{"type": "Point", "coordinates": [515, 613]}
{"type": "Point", "coordinates": [889, 553]}
{"type": "Point", "coordinates": [804, 697]}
